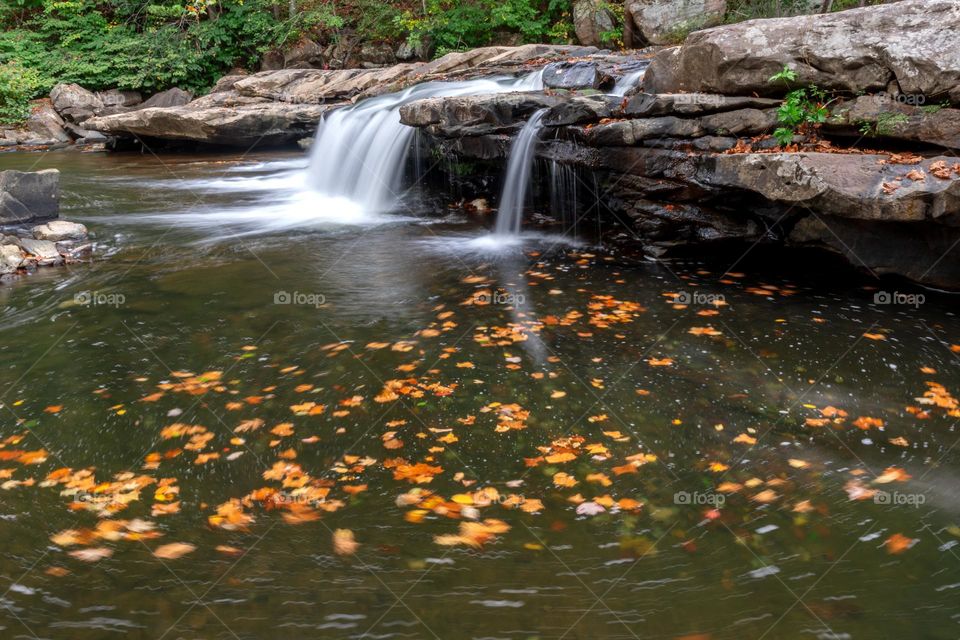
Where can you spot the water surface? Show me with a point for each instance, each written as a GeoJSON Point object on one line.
{"type": "Point", "coordinates": [780, 466]}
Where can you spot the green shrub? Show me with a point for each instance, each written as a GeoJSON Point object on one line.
{"type": "Point", "coordinates": [17, 86]}
{"type": "Point", "coordinates": [802, 110]}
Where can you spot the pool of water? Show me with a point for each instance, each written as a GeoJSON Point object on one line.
{"type": "Point", "coordinates": [548, 441]}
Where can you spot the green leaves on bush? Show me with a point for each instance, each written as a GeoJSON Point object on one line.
{"type": "Point", "coordinates": [801, 110]}
{"type": "Point", "coordinates": [17, 86]}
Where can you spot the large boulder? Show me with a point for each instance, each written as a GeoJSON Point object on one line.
{"type": "Point", "coordinates": [26, 196]}
{"type": "Point", "coordinates": [267, 123]}
{"type": "Point", "coordinates": [591, 20]}
{"type": "Point", "coordinates": [669, 21]}
{"type": "Point", "coordinates": [910, 44]}
{"type": "Point", "coordinates": [75, 103]}
{"type": "Point", "coordinates": [174, 97]}
{"type": "Point", "coordinates": [46, 123]}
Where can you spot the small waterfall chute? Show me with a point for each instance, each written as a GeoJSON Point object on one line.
{"type": "Point", "coordinates": [360, 152]}
{"type": "Point", "coordinates": [517, 183]}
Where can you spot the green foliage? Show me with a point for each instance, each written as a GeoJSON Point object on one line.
{"type": "Point", "coordinates": [801, 110]}
{"type": "Point", "coordinates": [453, 25]}
{"type": "Point", "coordinates": [152, 46]}
{"type": "Point", "coordinates": [17, 86]}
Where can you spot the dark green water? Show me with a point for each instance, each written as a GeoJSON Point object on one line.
{"type": "Point", "coordinates": [788, 554]}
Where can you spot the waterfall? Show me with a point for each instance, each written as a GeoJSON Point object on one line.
{"type": "Point", "coordinates": [360, 152]}
{"type": "Point", "coordinates": [627, 82]}
{"type": "Point", "coordinates": [515, 187]}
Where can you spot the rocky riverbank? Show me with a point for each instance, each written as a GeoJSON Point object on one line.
{"type": "Point", "coordinates": [686, 159]}
{"type": "Point", "coordinates": [28, 198]}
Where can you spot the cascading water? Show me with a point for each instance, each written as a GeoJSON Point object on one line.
{"type": "Point", "coordinates": [515, 187]}
{"type": "Point", "coordinates": [360, 152]}
{"type": "Point", "coordinates": [628, 81]}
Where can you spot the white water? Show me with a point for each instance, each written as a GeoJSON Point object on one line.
{"type": "Point", "coordinates": [360, 152]}
{"type": "Point", "coordinates": [628, 82]}
{"type": "Point", "coordinates": [515, 188]}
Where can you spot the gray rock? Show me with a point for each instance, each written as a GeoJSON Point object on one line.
{"type": "Point", "coordinates": [26, 196]}
{"type": "Point", "coordinates": [374, 55]}
{"type": "Point", "coordinates": [44, 251]}
{"type": "Point", "coordinates": [303, 54]}
{"type": "Point", "coordinates": [262, 123]}
{"type": "Point", "coordinates": [475, 115]}
{"type": "Point", "coordinates": [885, 116]}
{"type": "Point", "coordinates": [669, 21]}
{"type": "Point", "coordinates": [75, 103]}
{"type": "Point", "coordinates": [911, 43]}
{"type": "Point", "coordinates": [57, 230]}
{"type": "Point", "coordinates": [573, 75]}
{"type": "Point", "coordinates": [47, 124]}
{"type": "Point", "coordinates": [118, 98]}
{"type": "Point", "coordinates": [648, 104]}
{"type": "Point", "coordinates": [170, 98]}
{"type": "Point", "coordinates": [591, 19]}
{"type": "Point", "coordinates": [11, 257]}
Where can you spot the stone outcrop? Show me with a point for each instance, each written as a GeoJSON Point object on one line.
{"type": "Point", "coordinates": [26, 196]}
{"type": "Point", "coordinates": [280, 107]}
{"type": "Point", "coordinates": [669, 21]}
{"type": "Point", "coordinates": [910, 45]}
{"type": "Point", "coordinates": [592, 19]}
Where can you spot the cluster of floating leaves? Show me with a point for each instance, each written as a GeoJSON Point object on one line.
{"type": "Point", "coordinates": [588, 473]}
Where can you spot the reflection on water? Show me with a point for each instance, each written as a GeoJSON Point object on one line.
{"type": "Point", "coordinates": [745, 470]}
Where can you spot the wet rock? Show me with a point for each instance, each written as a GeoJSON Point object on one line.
{"type": "Point", "coordinates": [591, 20]}
{"type": "Point", "coordinates": [26, 196]}
{"type": "Point", "coordinates": [583, 109]}
{"type": "Point", "coordinates": [74, 103]}
{"type": "Point", "coordinates": [44, 251]}
{"type": "Point", "coordinates": [911, 43]}
{"type": "Point", "coordinates": [475, 115]}
{"type": "Point", "coordinates": [669, 21]}
{"type": "Point", "coordinates": [573, 75]}
{"type": "Point", "coordinates": [57, 230]}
